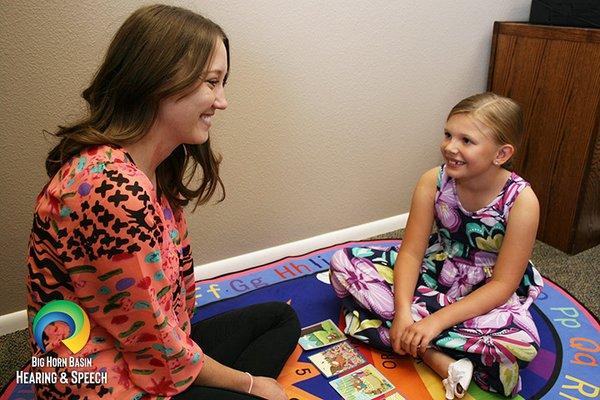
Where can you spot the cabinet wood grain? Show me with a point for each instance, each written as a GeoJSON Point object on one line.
{"type": "Point", "coordinates": [554, 74]}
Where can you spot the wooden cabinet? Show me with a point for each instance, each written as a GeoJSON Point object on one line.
{"type": "Point", "coordinates": [554, 74]}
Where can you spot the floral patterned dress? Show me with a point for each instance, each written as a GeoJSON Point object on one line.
{"type": "Point", "coordinates": [459, 259]}
{"type": "Point", "coordinates": [103, 239]}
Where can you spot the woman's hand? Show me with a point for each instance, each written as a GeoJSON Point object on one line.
{"type": "Point", "coordinates": [399, 325]}
{"type": "Point", "coordinates": [268, 388]}
{"type": "Point", "coordinates": [417, 336]}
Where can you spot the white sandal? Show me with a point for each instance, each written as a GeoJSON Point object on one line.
{"type": "Point", "coordinates": [459, 378]}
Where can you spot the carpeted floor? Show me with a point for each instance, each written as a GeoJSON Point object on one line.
{"type": "Point", "coordinates": [575, 273]}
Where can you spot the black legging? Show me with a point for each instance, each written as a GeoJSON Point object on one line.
{"type": "Point", "coordinates": [257, 339]}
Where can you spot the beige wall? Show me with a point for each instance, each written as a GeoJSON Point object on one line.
{"type": "Point", "coordinates": [336, 108]}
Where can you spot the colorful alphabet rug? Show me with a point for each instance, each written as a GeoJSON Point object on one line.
{"type": "Point", "coordinates": [566, 366]}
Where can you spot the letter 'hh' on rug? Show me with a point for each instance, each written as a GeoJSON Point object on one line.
{"type": "Point", "coordinates": [566, 366]}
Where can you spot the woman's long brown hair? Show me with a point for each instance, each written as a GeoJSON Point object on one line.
{"type": "Point", "coordinates": [158, 51]}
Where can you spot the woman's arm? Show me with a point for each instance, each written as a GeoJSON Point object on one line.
{"type": "Point", "coordinates": [123, 279]}
{"type": "Point", "coordinates": [412, 250]}
{"type": "Point", "coordinates": [508, 272]}
{"type": "Point", "coordinates": [215, 374]}
{"type": "Point", "coordinates": [187, 265]}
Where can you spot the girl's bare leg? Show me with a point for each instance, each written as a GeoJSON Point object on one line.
{"type": "Point", "coordinates": [437, 361]}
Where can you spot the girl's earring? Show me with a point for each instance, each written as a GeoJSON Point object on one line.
{"type": "Point", "coordinates": [496, 162]}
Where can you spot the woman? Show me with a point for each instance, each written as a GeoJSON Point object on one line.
{"type": "Point", "coordinates": [109, 233]}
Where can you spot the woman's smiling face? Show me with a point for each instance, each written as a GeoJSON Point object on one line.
{"type": "Point", "coordinates": [186, 118]}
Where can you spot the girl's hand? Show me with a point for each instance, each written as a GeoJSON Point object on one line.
{"type": "Point", "coordinates": [268, 388]}
{"type": "Point", "coordinates": [416, 337]}
{"type": "Point", "coordinates": [399, 325]}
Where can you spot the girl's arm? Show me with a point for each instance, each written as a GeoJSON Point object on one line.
{"type": "Point", "coordinates": [414, 243]}
{"type": "Point", "coordinates": [410, 255]}
{"type": "Point", "coordinates": [508, 272]}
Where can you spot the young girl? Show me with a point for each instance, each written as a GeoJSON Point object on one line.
{"type": "Point", "coordinates": [109, 232]}
{"type": "Point", "coordinates": [459, 298]}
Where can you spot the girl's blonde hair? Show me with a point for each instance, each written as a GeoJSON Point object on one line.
{"type": "Point", "coordinates": [159, 50]}
{"type": "Point", "coordinates": [503, 116]}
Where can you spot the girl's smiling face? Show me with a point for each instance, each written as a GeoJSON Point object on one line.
{"type": "Point", "coordinates": [468, 147]}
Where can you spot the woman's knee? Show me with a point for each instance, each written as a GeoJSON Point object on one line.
{"type": "Point", "coordinates": [285, 315]}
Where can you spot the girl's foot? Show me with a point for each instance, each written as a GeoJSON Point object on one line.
{"type": "Point", "coordinates": [459, 378]}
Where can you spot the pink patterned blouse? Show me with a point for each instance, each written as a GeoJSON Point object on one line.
{"type": "Point", "coordinates": [102, 239]}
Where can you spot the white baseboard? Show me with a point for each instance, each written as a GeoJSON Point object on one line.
{"type": "Point", "coordinates": [265, 256]}
{"type": "Point", "coordinates": [13, 322]}
{"type": "Point", "coordinates": [18, 320]}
